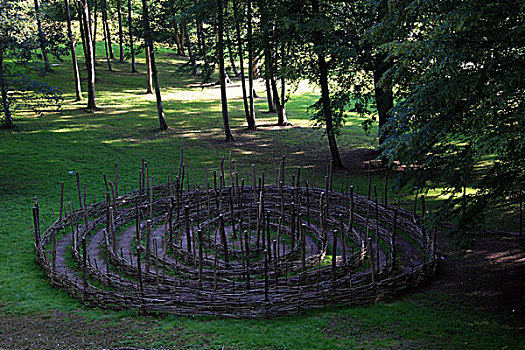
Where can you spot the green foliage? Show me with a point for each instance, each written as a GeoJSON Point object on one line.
{"type": "Point", "coordinates": [460, 68]}
{"type": "Point", "coordinates": [18, 51]}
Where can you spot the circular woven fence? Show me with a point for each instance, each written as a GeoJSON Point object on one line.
{"type": "Point", "coordinates": [231, 249]}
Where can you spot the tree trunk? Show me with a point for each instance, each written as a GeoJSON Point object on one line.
{"type": "Point", "coordinates": [200, 36]}
{"type": "Point", "coordinates": [325, 96]}
{"type": "Point", "coordinates": [284, 54]}
{"type": "Point", "coordinates": [267, 62]}
{"type": "Point", "coordinates": [190, 53]}
{"type": "Point", "coordinates": [250, 119]}
{"type": "Point", "coordinates": [120, 32]}
{"type": "Point", "coordinates": [279, 105]}
{"type": "Point", "coordinates": [90, 59]}
{"type": "Point", "coordinates": [149, 45]}
{"type": "Point", "coordinates": [281, 116]}
{"type": "Point", "coordinates": [177, 37]}
{"type": "Point", "coordinates": [81, 29]}
{"type": "Point", "coordinates": [222, 80]}
{"type": "Point", "coordinates": [78, 88]}
{"type": "Point", "coordinates": [181, 36]}
{"type": "Point", "coordinates": [250, 59]}
{"type": "Point", "coordinates": [5, 98]}
{"type": "Point", "coordinates": [107, 31]}
{"type": "Point", "coordinates": [94, 34]}
{"type": "Point", "coordinates": [130, 26]}
{"type": "Point", "coordinates": [230, 52]}
{"type": "Point", "coordinates": [149, 89]}
{"type": "Point", "coordinates": [384, 96]}
{"type": "Point", "coordinates": [41, 37]}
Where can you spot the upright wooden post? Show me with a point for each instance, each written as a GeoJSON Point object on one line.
{"type": "Point", "coordinates": [393, 243]}
{"type": "Point", "coordinates": [266, 298]}
{"type": "Point", "coordinates": [170, 218]}
{"type": "Point", "coordinates": [84, 262]}
{"type": "Point", "coordinates": [303, 247]}
{"type": "Point", "coordinates": [423, 210]}
{"type": "Point", "coordinates": [247, 250]}
{"type": "Point", "coordinates": [369, 178]}
{"type": "Point", "coordinates": [275, 261]}
{"type": "Point", "coordinates": [148, 236]}
{"type": "Point", "coordinates": [224, 240]}
{"type": "Point", "coordinates": [54, 256]}
{"type": "Point", "coordinates": [199, 234]}
{"type": "Point", "coordinates": [187, 224]}
{"type": "Point", "coordinates": [268, 239]}
{"type": "Point", "coordinates": [343, 244]}
{"type": "Point", "coordinates": [372, 263]}
{"type": "Point", "coordinates": [334, 255]}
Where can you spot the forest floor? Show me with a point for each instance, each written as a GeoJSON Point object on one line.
{"type": "Point", "coordinates": [476, 300]}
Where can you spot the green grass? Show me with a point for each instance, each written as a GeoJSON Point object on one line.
{"type": "Point", "coordinates": [40, 152]}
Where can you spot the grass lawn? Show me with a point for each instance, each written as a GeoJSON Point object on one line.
{"type": "Point", "coordinates": [39, 154]}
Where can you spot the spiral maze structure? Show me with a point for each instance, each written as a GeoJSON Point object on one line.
{"type": "Point", "coordinates": [233, 250]}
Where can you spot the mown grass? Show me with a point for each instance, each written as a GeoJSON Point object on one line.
{"type": "Point", "coordinates": [39, 154]}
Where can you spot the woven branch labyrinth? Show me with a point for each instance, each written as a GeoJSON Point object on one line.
{"type": "Point", "coordinates": [233, 249]}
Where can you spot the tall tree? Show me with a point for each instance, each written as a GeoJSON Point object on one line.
{"type": "Point", "coordinates": [149, 44]}
{"type": "Point", "coordinates": [105, 26]}
{"type": "Point", "coordinates": [107, 35]}
{"type": "Point", "coordinates": [89, 54]}
{"type": "Point", "coordinates": [325, 108]}
{"type": "Point", "coordinates": [250, 118]}
{"type": "Point", "coordinates": [149, 70]}
{"type": "Point", "coordinates": [76, 73]}
{"type": "Point", "coordinates": [18, 43]}
{"type": "Point", "coordinates": [120, 32]}
{"type": "Point", "coordinates": [8, 117]}
{"type": "Point", "coordinates": [249, 18]}
{"type": "Point", "coordinates": [460, 68]}
{"type": "Point", "coordinates": [93, 24]}
{"type": "Point", "coordinates": [222, 76]}
{"type": "Point", "coordinates": [130, 30]}
{"type": "Point", "coordinates": [41, 36]}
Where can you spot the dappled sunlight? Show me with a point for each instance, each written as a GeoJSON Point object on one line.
{"type": "Point", "coordinates": [512, 256]}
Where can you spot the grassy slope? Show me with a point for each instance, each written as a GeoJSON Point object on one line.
{"type": "Point", "coordinates": [37, 156]}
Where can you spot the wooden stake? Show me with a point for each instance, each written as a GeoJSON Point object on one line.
{"type": "Point", "coordinates": [170, 218]}
{"type": "Point", "coordinates": [334, 255]}
{"type": "Point", "coordinates": [423, 210]}
{"type": "Point", "coordinates": [275, 258]}
{"type": "Point", "coordinates": [254, 185]}
{"type": "Point", "coordinates": [54, 256]}
{"type": "Point", "coordinates": [268, 239]}
{"type": "Point", "coordinates": [303, 247]}
{"type": "Point", "coordinates": [199, 234]}
{"type": "Point", "coordinates": [247, 250]}
{"type": "Point", "coordinates": [37, 231]}
{"type": "Point", "coordinates": [224, 240]}
{"type": "Point", "coordinates": [372, 264]}
{"type": "Point", "coordinates": [84, 262]}
{"type": "Point", "coordinates": [148, 235]}
{"type": "Point", "coordinates": [369, 178]}
{"type": "Point", "coordinates": [187, 225]}
{"type": "Point", "coordinates": [266, 298]}
{"type": "Point", "coordinates": [386, 189]}
{"type": "Point", "coordinates": [393, 243]}
{"type": "Point", "coordinates": [342, 224]}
